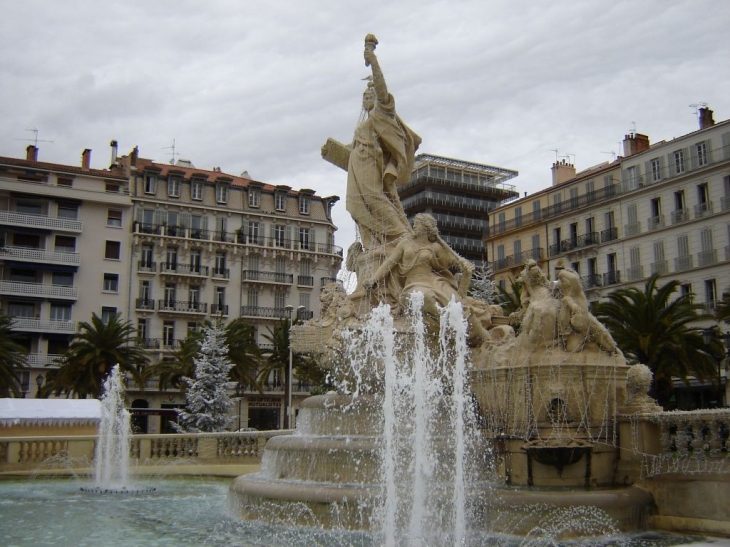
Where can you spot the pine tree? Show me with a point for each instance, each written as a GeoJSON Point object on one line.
{"type": "Point", "coordinates": [483, 286]}
{"type": "Point", "coordinates": [208, 402]}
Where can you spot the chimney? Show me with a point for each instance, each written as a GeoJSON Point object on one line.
{"type": "Point", "coordinates": [86, 158]}
{"type": "Point", "coordinates": [635, 143]}
{"type": "Point", "coordinates": [562, 171]}
{"type": "Point", "coordinates": [133, 155]}
{"type": "Point", "coordinates": [706, 119]}
{"type": "Point", "coordinates": [115, 150]}
{"type": "Point", "coordinates": [31, 153]}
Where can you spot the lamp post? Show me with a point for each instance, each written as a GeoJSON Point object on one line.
{"type": "Point", "coordinates": [289, 409]}
{"type": "Point", "coordinates": [239, 395]}
{"type": "Point", "coordinates": [708, 336]}
{"type": "Point", "coordinates": [24, 383]}
{"type": "Point", "coordinates": [39, 382]}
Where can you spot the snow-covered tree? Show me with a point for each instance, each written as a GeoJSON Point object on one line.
{"type": "Point", "coordinates": [483, 286]}
{"type": "Point", "coordinates": [208, 401]}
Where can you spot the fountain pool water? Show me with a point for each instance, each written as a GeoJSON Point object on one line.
{"type": "Point", "coordinates": [192, 512]}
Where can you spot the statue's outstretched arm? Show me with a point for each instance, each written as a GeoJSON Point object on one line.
{"type": "Point", "coordinates": [381, 89]}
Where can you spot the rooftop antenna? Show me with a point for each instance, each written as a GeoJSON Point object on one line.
{"type": "Point", "coordinates": [173, 153]}
{"type": "Point", "coordinates": [633, 131]}
{"type": "Point", "coordinates": [612, 152]}
{"type": "Point", "coordinates": [567, 157]}
{"type": "Point", "coordinates": [35, 140]}
{"type": "Point", "coordinates": [556, 154]}
{"type": "Point", "coordinates": [697, 107]}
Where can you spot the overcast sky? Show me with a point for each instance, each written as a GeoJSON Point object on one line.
{"type": "Point", "coordinates": [259, 86]}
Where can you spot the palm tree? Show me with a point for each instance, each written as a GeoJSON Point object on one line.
{"type": "Point", "coordinates": [661, 333]}
{"type": "Point", "coordinates": [243, 352]}
{"type": "Point", "coordinates": [93, 352]}
{"type": "Point", "coordinates": [171, 372]}
{"type": "Point", "coordinates": [12, 358]}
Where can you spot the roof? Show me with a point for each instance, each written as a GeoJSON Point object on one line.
{"type": "Point", "coordinates": [58, 167]}
{"type": "Point", "coordinates": [49, 412]}
{"type": "Point", "coordinates": [165, 169]}
{"type": "Point", "coordinates": [500, 173]}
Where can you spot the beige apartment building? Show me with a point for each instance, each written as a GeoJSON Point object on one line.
{"type": "Point", "coordinates": [166, 246]}
{"type": "Point", "coordinates": [661, 208]}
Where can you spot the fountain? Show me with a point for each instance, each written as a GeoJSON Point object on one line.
{"type": "Point", "coordinates": [111, 455]}
{"type": "Point", "coordinates": [419, 365]}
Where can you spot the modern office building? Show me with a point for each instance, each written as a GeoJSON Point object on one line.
{"type": "Point", "coordinates": [167, 247]}
{"type": "Point", "coordinates": [661, 208]}
{"type": "Point", "coordinates": [459, 195]}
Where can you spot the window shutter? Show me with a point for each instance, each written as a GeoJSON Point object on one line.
{"type": "Point", "coordinates": [659, 251]}
{"type": "Point", "coordinates": [726, 146]}
{"type": "Point", "coordinates": [185, 219]}
{"type": "Point", "coordinates": [706, 239]}
{"type": "Point", "coordinates": [160, 216]}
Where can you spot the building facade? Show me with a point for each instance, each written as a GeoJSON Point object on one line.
{"type": "Point", "coordinates": [459, 195]}
{"type": "Point", "coordinates": [661, 208]}
{"type": "Point", "coordinates": [176, 246]}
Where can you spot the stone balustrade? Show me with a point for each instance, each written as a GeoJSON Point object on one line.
{"type": "Point", "coordinates": [69, 452]}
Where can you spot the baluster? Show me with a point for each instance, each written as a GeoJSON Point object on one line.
{"type": "Point", "coordinates": [23, 456]}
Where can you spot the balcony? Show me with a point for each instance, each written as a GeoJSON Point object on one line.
{"type": "Point", "coordinates": [661, 267]}
{"type": "Point", "coordinates": [40, 290]}
{"type": "Point", "coordinates": [683, 263]}
{"type": "Point", "coordinates": [145, 266]}
{"type": "Point", "coordinates": [267, 277]}
{"type": "Point", "coordinates": [591, 281]}
{"type": "Point", "coordinates": [23, 220]}
{"type": "Point", "coordinates": [191, 270]}
{"type": "Point", "coordinates": [144, 304]}
{"type": "Point", "coordinates": [680, 215]}
{"type": "Point", "coordinates": [327, 280]}
{"type": "Point", "coordinates": [634, 272]}
{"type": "Point", "coordinates": [304, 315]}
{"type": "Point", "coordinates": [39, 256]}
{"type": "Point", "coordinates": [610, 234]}
{"type": "Point", "coordinates": [517, 259]}
{"type": "Point", "coordinates": [31, 324]}
{"type": "Point", "coordinates": [703, 209]}
{"type": "Point", "coordinates": [182, 306]}
{"type": "Point", "coordinates": [41, 360]}
{"type": "Point", "coordinates": [632, 229]}
{"type": "Point", "coordinates": [305, 281]}
{"type": "Point", "coordinates": [707, 258]}
{"type": "Point", "coordinates": [588, 239]}
{"type": "Point", "coordinates": [266, 313]}
{"type": "Point", "coordinates": [219, 309]}
{"type": "Point", "coordinates": [654, 223]}
{"type": "Point", "coordinates": [611, 278]}
{"type": "Point", "coordinates": [221, 273]}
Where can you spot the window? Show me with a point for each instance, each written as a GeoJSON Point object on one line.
{"type": "Point", "coordinates": [254, 195]}
{"type": "Point", "coordinates": [114, 218]}
{"type": "Point", "coordinates": [170, 295]}
{"type": "Point", "coordinates": [63, 181]}
{"type": "Point", "coordinates": [280, 201]}
{"type": "Point", "coordinates": [502, 220]}
{"type": "Point", "coordinates": [253, 263]}
{"type": "Point", "coordinates": [61, 312]}
{"type": "Point", "coordinates": [279, 300]}
{"type": "Point", "coordinates": [68, 211]}
{"type": "Point", "coordinates": [173, 187]}
{"type": "Point", "coordinates": [171, 258]}
{"type": "Point", "coordinates": [518, 216]}
{"type": "Point", "coordinates": [536, 210]}
{"type": "Point", "coordinates": [557, 199]}
{"type": "Point", "coordinates": [573, 198]}
{"type": "Point", "coordinates": [656, 170]}
{"type": "Point", "coordinates": [252, 298]}
{"type": "Point", "coordinates": [589, 187]}
{"type": "Point", "coordinates": [108, 313]}
{"type": "Point", "coordinates": [146, 257]}
{"type": "Point", "coordinates": [145, 291]}
{"type": "Point", "coordinates": [111, 282]}
{"type": "Point", "coordinates": [304, 205]}
{"type": "Point", "coordinates": [29, 208]}
{"type": "Point", "coordinates": [711, 293]}
{"type": "Point", "coordinates": [304, 300]}
{"type": "Point", "coordinates": [23, 275]}
{"type": "Point", "coordinates": [220, 264]}
{"type": "Point", "coordinates": [195, 259]}
{"type": "Point", "coordinates": [517, 247]}
{"type": "Point", "coordinates": [150, 184]}
{"type": "Point", "coordinates": [65, 244]}
{"type": "Point", "coordinates": [678, 157]}
{"type": "Point", "coordinates": [686, 289]}
{"type": "Point", "coordinates": [221, 193]}
{"type": "Point", "coordinates": [632, 178]}
{"type": "Point", "coordinates": [113, 250]}
{"type": "Point", "coordinates": [220, 297]}
{"type": "Point", "coordinates": [65, 279]}
{"type": "Point", "coordinates": [253, 233]}
{"type": "Point", "coordinates": [194, 296]}
{"type": "Point", "coordinates": [701, 150]}
{"type": "Point", "coordinates": [168, 333]}
{"type": "Point", "coordinates": [111, 188]}
{"type": "Point", "coordinates": [304, 239]}
{"type": "Point", "coordinates": [536, 246]}
{"type": "Point", "coordinates": [280, 235]}
{"type": "Point", "coordinates": [142, 329]}
{"type": "Point", "coordinates": [196, 190]}
{"type": "Point", "coordinates": [193, 327]}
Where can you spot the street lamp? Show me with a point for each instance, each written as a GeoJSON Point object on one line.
{"type": "Point", "coordinates": [24, 383]}
{"type": "Point", "coordinates": [39, 382]}
{"type": "Point", "coordinates": [708, 336]}
{"type": "Point", "coordinates": [289, 408]}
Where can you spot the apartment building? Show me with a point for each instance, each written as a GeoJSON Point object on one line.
{"type": "Point", "coordinates": [661, 208]}
{"type": "Point", "coordinates": [63, 228]}
{"type": "Point", "coordinates": [166, 246]}
{"type": "Point", "coordinates": [459, 195]}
